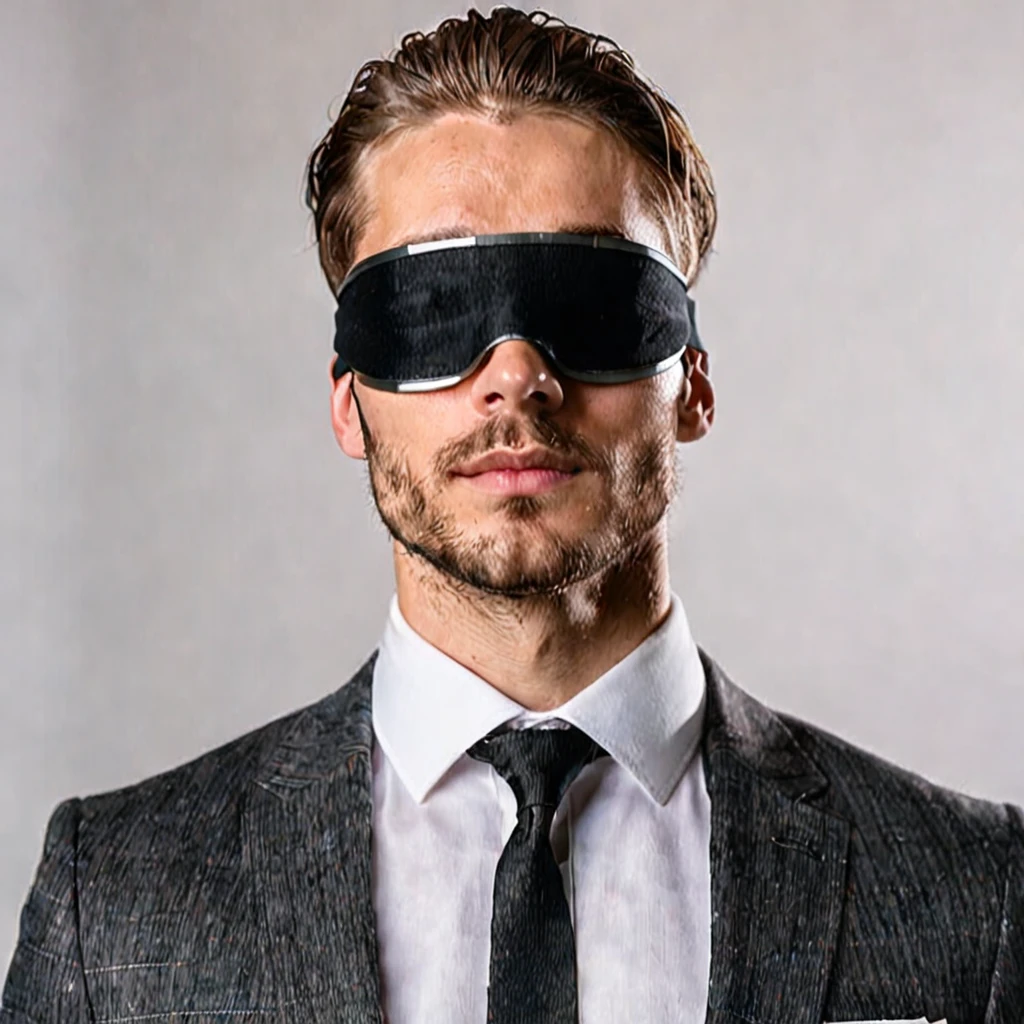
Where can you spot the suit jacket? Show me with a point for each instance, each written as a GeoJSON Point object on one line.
{"type": "Point", "coordinates": [237, 888]}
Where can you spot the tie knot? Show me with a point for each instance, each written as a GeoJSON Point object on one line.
{"type": "Point", "coordinates": [539, 764]}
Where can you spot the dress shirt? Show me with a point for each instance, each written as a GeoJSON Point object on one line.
{"type": "Point", "coordinates": [631, 835]}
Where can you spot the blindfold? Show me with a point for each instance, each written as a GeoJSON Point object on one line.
{"type": "Point", "coordinates": [603, 310]}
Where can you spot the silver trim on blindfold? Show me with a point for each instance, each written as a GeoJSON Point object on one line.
{"type": "Point", "coordinates": [596, 377]}
{"type": "Point", "coordinates": [515, 238]}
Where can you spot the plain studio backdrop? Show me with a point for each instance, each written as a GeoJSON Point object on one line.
{"type": "Point", "coordinates": [186, 552]}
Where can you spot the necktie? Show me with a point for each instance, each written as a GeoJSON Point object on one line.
{"type": "Point", "coordinates": [533, 956]}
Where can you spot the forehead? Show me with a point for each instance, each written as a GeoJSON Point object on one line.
{"type": "Point", "coordinates": [463, 174]}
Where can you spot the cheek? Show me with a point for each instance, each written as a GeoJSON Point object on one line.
{"type": "Point", "coordinates": [617, 413]}
{"type": "Point", "coordinates": [420, 424]}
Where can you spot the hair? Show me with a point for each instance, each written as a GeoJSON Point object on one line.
{"type": "Point", "coordinates": [499, 67]}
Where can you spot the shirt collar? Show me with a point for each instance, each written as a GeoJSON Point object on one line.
{"type": "Point", "coordinates": [647, 710]}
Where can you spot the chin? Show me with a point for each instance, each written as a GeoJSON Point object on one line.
{"type": "Point", "coordinates": [531, 563]}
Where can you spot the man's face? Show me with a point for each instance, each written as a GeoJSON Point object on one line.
{"type": "Point", "coordinates": [514, 532]}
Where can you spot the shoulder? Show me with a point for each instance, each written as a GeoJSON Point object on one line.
{"type": "Point", "coordinates": [189, 799]}
{"type": "Point", "coordinates": [934, 883]}
{"type": "Point", "coordinates": [929, 869]}
{"type": "Point", "coordinates": [885, 801]}
{"type": "Point", "coordinates": [197, 808]}
{"type": "Point", "coordinates": [882, 801]}
{"type": "Point", "coordinates": [107, 854]}
{"type": "Point", "coordinates": [933, 878]}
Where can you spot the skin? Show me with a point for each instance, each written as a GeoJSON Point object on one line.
{"type": "Point", "coordinates": [537, 594]}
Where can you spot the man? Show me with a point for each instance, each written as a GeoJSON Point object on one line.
{"type": "Point", "coordinates": [538, 799]}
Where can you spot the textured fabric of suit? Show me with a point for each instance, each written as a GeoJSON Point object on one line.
{"type": "Point", "coordinates": [237, 887]}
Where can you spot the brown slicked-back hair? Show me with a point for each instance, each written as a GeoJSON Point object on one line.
{"type": "Point", "coordinates": [500, 66]}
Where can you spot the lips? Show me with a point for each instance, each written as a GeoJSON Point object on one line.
{"type": "Point", "coordinates": [518, 474]}
{"type": "Point", "coordinates": [517, 461]}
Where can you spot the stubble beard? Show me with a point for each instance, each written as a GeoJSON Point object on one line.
{"type": "Point", "coordinates": [521, 556]}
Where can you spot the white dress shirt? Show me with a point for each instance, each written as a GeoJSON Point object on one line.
{"type": "Point", "coordinates": [631, 835]}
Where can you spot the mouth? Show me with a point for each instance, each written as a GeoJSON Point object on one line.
{"type": "Point", "coordinates": [519, 482]}
{"type": "Point", "coordinates": [516, 472]}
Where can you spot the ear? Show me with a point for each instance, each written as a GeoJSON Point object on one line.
{"type": "Point", "coordinates": [696, 401]}
{"type": "Point", "coordinates": [345, 415]}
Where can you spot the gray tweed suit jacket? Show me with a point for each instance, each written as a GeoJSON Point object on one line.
{"type": "Point", "coordinates": [237, 888]}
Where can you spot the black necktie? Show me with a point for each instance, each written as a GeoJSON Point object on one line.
{"type": "Point", "coordinates": [533, 956]}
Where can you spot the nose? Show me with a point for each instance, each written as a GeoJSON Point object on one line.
{"type": "Point", "coordinates": [513, 376]}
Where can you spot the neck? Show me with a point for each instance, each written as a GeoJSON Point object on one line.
{"type": "Point", "coordinates": [542, 649]}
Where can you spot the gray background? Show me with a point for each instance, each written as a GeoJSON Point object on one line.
{"type": "Point", "coordinates": [187, 554]}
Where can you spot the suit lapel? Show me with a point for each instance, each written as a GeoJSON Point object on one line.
{"type": "Point", "coordinates": [307, 834]}
{"type": "Point", "coordinates": [778, 865]}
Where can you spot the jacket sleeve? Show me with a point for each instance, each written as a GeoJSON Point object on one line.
{"type": "Point", "coordinates": [1006, 996]}
{"type": "Point", "coordinates": [46, 980]}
